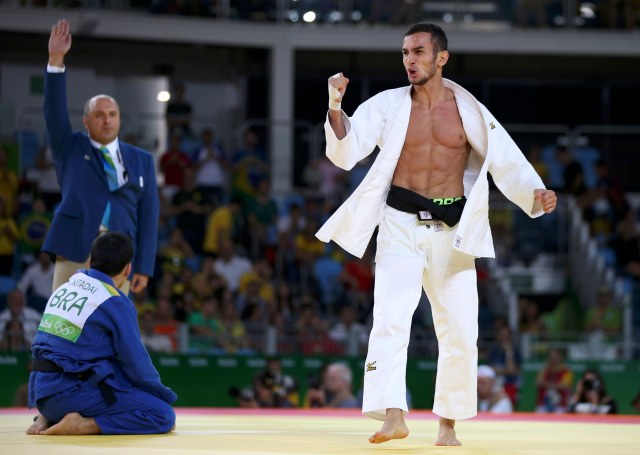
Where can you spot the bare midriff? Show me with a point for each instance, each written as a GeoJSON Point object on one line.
{"type": "Point", "coordinates": [435, 151]}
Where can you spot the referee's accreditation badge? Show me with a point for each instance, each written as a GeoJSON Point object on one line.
{"type": "Point", "coordinates": [71, 305]}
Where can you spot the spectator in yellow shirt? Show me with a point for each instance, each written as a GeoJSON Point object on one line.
{"type": "Point", "coordinates": [8, 238]}
{"type": "Point", "coordinates": [307, 246]}
{"type": "Point", "coordinates": [263, 274]}
{"type": "Point", "coordinates": [220, 227]}
{"type": "Point", "coordinates": [8, 183]}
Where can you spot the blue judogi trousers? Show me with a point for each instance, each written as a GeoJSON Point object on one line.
{"type": "Point", "coordinates": [134, 412]}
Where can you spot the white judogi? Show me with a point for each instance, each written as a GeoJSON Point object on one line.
{"type": "Point", "coordinates": [410, 256]}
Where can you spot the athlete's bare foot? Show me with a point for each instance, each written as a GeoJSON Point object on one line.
{"type": "Point", "coordinates": [393, 427]}
{"type": "Point", "coordinates": [39, 425]}
{"type": "Point", "coordinates": [447, 433]}
{"type": "Point", "coordinates": [74, 423]}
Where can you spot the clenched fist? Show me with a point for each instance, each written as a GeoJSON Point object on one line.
{"type": "Point", "coordinates": [547, 199]}
{"type": "Point", "coordinates": [337, 87]}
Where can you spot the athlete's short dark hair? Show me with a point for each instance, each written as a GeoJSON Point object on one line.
{"type": "Point", "coordinates": [438, 36]}
{"type": "Point", "coordinates": [111, 252]}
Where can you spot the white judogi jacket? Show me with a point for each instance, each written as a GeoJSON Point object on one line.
{"type": "Point", "coordinates": [382, 121]}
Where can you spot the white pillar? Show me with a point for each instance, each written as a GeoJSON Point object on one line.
{"type": "Point", "coordinates": [281, 116]}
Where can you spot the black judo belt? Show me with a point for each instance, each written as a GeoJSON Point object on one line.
{"type": "Point", "coordinates": [447, 210]}
{"type": "Point", "coordinates": [48, 366]}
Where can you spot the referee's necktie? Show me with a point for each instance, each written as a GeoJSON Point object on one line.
{"type": "Point", "coordinates": [112, 179]}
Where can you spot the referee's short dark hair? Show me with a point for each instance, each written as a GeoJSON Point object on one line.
{"type": "Point", "coordinates": [111, 252]}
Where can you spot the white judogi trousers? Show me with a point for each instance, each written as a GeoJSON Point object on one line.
{"type": "Point", "coordinates": [411, 255]}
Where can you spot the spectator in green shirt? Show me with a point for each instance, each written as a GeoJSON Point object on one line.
{"type": "Point", "coordinates": [604, 316]}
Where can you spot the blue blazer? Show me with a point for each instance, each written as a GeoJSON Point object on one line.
{"type": "Point", "coordinates": [85, 190]}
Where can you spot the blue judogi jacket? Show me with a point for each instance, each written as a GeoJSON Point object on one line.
{"type": "Point", "coordinates": [88, 324]}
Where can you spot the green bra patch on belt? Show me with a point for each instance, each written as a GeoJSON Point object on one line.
{"type": "Point", "coordinates": [446, 200]}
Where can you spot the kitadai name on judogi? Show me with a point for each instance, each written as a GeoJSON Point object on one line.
{"type": "Point", "coordinates": [85, 285]}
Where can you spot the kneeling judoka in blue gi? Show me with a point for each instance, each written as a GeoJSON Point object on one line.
{"type": "Point", "coordinates": [91, 372]}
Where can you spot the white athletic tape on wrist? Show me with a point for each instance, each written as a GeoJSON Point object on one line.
{"type": "Point", "coordinates": [333, 94]}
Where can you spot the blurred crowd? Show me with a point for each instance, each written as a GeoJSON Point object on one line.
{"type": "Point", "coordinates": [612, 216]}
{"type": "Point", "coordinates": [234, 260]}
{"type": "Point", "coordinates": [240, 270]}
{"type": "Point", "coordinates": [558, 388]}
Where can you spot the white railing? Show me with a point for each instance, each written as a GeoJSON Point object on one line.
{"type": "Point", "coordinates": [589, 272]}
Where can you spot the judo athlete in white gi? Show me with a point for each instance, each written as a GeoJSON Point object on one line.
{"type": "Point", "coordinates": [91, 372]}
{"type": "Point", "coordinates": [428, 192]}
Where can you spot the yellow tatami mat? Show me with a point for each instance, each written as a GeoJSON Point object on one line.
{"type": "Point", "coordinates": [237, 432]}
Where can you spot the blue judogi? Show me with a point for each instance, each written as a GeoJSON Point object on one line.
{"type": "Point", "coordinates": [90, 326]}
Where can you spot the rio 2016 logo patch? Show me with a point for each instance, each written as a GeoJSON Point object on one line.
{"type": "Point", "coordinates": [59, 326]}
